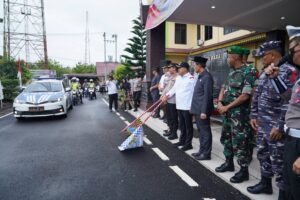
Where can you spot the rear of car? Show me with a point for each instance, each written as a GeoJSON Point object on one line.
{"type": "Point", "coordinates": [42, 99]}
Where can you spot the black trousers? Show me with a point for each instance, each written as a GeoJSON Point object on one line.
{"type": "Point", "coordinates": [291, 180]}
{"type": "Point", "coordinates": [172, 118]}
{"type": "Point", "coordinates": [205, 135]}
{"type": "Point", "coordinates": [186, 127]}
{"type": "Point", "coordinates": [137, 98]}
{"type": "Point", "coordinates": [113, 98]}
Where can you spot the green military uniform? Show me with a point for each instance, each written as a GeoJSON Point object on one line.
{"type": "Point", "coordinates": [237, 134]}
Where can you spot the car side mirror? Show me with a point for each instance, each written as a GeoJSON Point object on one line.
{"type": "Point", "coordinates": [21, 89]}
{"type": "Point", "coordinates": [68, 89]}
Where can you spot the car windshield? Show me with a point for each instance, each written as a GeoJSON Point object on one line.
{"type": "Point", "coordinates": [44, 87]}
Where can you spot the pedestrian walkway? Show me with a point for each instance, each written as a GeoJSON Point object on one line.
{"type": "Point", "coordinates": [217, 158]}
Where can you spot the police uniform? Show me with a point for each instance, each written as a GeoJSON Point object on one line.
{"type": "Point", "coordinates": [184, 89]}
{"type": "Point", "coordinates": [266, 109]}
{"type": "Point", "coordinates": [288, 85]}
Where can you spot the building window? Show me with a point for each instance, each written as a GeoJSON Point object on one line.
{"type": "Point", "coordinates": [228, 30]}
{"type": "Point", "coordinates": [198, 32]}
{"type": "Point", "coordinates": [208, 32]}
{"type": "Point", "coordinates": [180, 33]}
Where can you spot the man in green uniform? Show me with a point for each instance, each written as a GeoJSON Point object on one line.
{"type": "Point", "coordinates": [234, 104]}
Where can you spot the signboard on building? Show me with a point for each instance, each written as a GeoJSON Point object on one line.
{"type": "Point", "coordinates": [43, 73]}
{"type": "Point", "coordinates": [218, 67]}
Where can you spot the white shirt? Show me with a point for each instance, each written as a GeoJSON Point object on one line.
{"type": "Point", "coordinates": [112, 87]}
{"type": "Point", "coordinates": [184, 90]}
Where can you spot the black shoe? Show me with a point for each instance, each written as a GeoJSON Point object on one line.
{"type": "Point", "coordinates": [179, 144]}
{"type": "Point", "coordinates": [263, 187]}
{"type": "Point", "coordinates": [135, 110]}
{"type": "Point", "coordinates": [196, 154]}
{"type": "Point", "coordinates": [202, 157]}
{"type": "Point", "coordinates": [162, 118]}
{"type": "Point", "coordinates": [166, 131]}
{"type": "Point", "coordinates": [165, 121]}
{"type": "Point", "coordinates": [241, 176]}
{"type": "Point", "coordinates": [155, 116]}
{"type": "Point", "coordinates": [228, 166]}
{"type": "Point", "coordinates": [186, 147]}
{"type": "Point", "coordinates": [173, 137]}
{"type": "Point", "coordinates": [167, 134]}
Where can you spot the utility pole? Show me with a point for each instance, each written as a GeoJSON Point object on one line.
{"type": "Point", "coordinates": [25, 30]}
{"type": "Point", "coordinates": [116, 47]}
{"type": "Point", "coordinates": [105, 67]}
{"type": "Point", "coordinates": [87, 58]}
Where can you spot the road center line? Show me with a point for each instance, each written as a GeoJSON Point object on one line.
{"type": "Point", "coordinates": [186, 178]}
{"type": "Point", "coordinates": [161, 154]}
{"type": "Point", "coordinates": [6, 115]}
{"type": "Point", "coordinates": [127, 122]}
{"type": "Point", "coordinates": [147, 141]}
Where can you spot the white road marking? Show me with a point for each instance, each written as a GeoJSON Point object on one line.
{"type": "Point", "coordinates": [105, 102]}
{"type": "Point", "coordinates": [127, 122]}
{"type": "Point", "coordinates": [147, 141]}
{"type": "Point", "coordinates": [6, 115]}
{"type": "Point", "coordinates": [118, 114]}
{"type": "Point", "coordinates": [186, 178]}
{"type": "Point", "coordinates": [208, 199]}
{"type": "Point", "coordinates": [122, 118]}
{"type": "Point", "coordinates": [161, 154]}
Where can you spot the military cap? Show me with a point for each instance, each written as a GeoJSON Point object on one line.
{"type": "Point", "coordinates": [267, 46]}
{"type": "Point", "coordinates": [246, 51]}
{"type": "Point", "coordinates": [235, 50]}
{"type": "Point", "coordinates": [293, 32]}
{"type": "Point", "coordinates": [200, 60]}
{"type": "Point", "coordinates": [165, 63]}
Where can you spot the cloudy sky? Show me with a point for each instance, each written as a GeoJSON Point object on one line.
{"type": "Point", "coordinates": [65, 25]}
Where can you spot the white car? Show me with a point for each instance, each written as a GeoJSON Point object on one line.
{"type": "Point", "coordinates": [43, 98]}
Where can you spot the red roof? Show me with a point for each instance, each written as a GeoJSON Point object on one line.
{"type": "Point", "coordinates": [110, 66]}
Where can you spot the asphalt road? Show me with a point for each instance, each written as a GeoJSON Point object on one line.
{"type": "Point", "coordinates": [78, 158]}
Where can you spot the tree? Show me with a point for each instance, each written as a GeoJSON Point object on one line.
{"type": "Point", "coordinates": [122, 72]}
{"type": "Point", "coordinates": [52, 65]}
{"type": "Point", "coordinates": [136, 49]}
{"type": "Point", "coordinates": [84, 69]}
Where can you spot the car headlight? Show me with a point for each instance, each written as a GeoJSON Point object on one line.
{"type": "Point", "coordinates": [57, 100]}
{"type": "Point", "coordinates": [20, 101]}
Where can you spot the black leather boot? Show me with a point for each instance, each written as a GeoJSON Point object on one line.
{"type": "Point", "coordinates": [241, 176]}
{"type": "Point", "coordinates": [263, 187]}
{"type": "Point", "coordinates": [228, 166]}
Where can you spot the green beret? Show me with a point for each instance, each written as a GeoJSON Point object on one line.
{"type": "Point", "coordinates": [246, 51]}
{"type": "Point", "coordinates": [235, 50]}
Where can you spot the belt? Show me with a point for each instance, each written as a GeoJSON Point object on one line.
{"type": "Point", "coordinates": [292, 132]}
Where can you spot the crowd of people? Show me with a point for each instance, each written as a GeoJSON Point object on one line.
{"type": "Point", "coordinates": [259, 109]}
{"type": "Point", "coordinates": [130, 90]}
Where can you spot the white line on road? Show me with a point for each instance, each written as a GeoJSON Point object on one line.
{"type": "Point", "coordinates": [147, 141]}
{"type": "Point", "coordinates": [105, 102]}
{"type": "Point", "coordinates": [186, 178]}
{"type": "Point", "coordinates": [6, 115]}
{"type": "Point", "coordinates": [122, 118]}
{"type": "Point", "coordinates": [127, 122]}
{"type": "Point", "coordinates": [161, 154]}
{"type": "Point", "coordinates": [118, 114]}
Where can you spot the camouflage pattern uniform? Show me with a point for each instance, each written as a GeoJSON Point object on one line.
{"type": "Point", "coordinates": [237, 133]}
{"type": "Point", "coordinates": [266, 106]}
